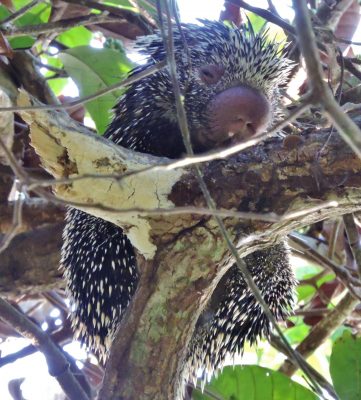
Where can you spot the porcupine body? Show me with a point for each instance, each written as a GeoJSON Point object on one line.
{"type": "Point", "coordinates": [97, 257]}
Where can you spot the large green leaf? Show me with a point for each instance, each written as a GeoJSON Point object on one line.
{"type": "Point", "coordinates": [252, 382]}
{"type": "Point", "coordinates": [345, 366]}
{"type": "Point", "coordinates": [95, 69]}
{"type": "Point", "coordinates": [37, 15]}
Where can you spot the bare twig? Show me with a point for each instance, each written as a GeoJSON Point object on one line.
{"type": "Point", "coordinates": [347, 41]}
{"type": "Point", "coordinates": [182, 121]}
{"type": "Point", "coordinates": [322, 331]}
{"type": "Point", "coordinates": [353, 239]}
{"type": "Point", "coordinates": [57, 26]}
{"type": "Point", "coordinates": [19, 13]}
{"type": "Point", "coordinates": [349, 65]}
{"type": "Point", "coordinates": [58, 365]}
{"type": "Point", "coordinates": [320, 93]}
{"type": "Point", "coordinates": [17, 221]}
{"type": "Point", "coordinates": [278, 345]}
{"type": "Point", "coordinates": [128, 81]}
{"type": "Point", "coordinates": [129, 15]}
{"type": "Point", "coordinates": [267, 15]}
{"type": "Point", "coordinates": [341, 272]}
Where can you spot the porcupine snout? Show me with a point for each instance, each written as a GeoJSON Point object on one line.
{"type": "Point", "coordinates": [237, 114]}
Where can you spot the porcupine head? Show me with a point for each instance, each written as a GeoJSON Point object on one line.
{"type": "Point", "coordinates": [230, 80]}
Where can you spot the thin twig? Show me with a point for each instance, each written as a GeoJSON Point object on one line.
{"type": "Point", "coordinates": [58, 365]}
{"type": "Point", "coordinates": [334, 238]}
{"type": "Point", "coordinates": [353, 239]}
{"type": "Point", "coordinates": [347, 41]}
{"type": "Point", "coordinates": [267, 15]}
{"type": "Point", "coordinates": [16, 223]}
{"type": "Point", "coordinates": [322, 331]}
{"type": "Point", "coordinates": [341, 272]}
{"type": "Point", "coordinates": [182, 121]}
{"type": "Point", "coordinates": [125, 82]}
{"type": "Point", "coordinates": [349, 65]}
{"type": "Point", "coordinates": [19, 13]}
{"type": "Point", "coordinates": [128, 15]}
{"type": "Point", "coordinates": [278, 345]}
{"type": "Point", "coordinates": [320, 93]}
{"type": "Point", "coordinates": [57, 26]}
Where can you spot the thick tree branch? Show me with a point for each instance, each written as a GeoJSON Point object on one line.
{"type": "Point", "coordinates": [181, 271]}
{"type": "Point", "coordinates": [31, 262]}
{"type": "Point", "coordinates": [35, 213]}
{"type": "Point", "coordinates": [58, 364]}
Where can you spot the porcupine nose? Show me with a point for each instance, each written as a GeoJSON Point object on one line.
{"type": "Point", "coordinates": [239, 113]}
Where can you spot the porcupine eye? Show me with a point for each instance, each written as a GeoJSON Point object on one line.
{"type": "Point", "coordinates": [211, 74]}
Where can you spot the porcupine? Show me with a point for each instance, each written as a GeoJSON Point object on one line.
{"type": "Point", "coordinates": [230, 81]}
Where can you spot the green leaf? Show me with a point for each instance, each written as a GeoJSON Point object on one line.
{"type": "Point", "coordinates": [149, 6]}
{"type": "Point", "coordinates": [21, 42]}
{"type": "Point", "coordinates": [297, 333]}
{"type": "Point", "coordinates": [37, 15]}
{"type": "Point", "coordinates": [57, 85]}
{"type": "Point", "coordinates": [326, 278]}
{"type": "Point", "coordinates": [257, 22]}
{"type": "Point", "coordinates": [345, 366]}
{"type": "Point", "coordinates": [121, 3]}
{"type": "Point", "coordinates": [95, 69]}
{"type": "Point", "coordinates": [252, 382]}
{"type": "Point", "coordinates": [79, 36]}
{"type": "Point", "coordinates": [305, 292]}
{"type": "Point", "coordinates": [306, 271]}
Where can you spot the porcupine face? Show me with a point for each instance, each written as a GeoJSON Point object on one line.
{"type": "Point", "coordinates": [229, 77]}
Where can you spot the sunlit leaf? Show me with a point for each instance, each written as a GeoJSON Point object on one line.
{"type": "Point", "coordinates": [305, 292]}
{"type": "Point", "coordinates": [297, 333]}
{"type": "Point", "coordinates": [36, 15]}
{"type": "Point", "coordinates": [95, 69]}
{"type": "Point", "coordinates": [57, 85]}
{"type": "Point", "coordinates": [252, 382]}
{"type": "Point", "coordinates": [78, 36]}
{"type": "Point", "coordinates": [325, 279]}
{"type": "Point", "coordinates": [121, 3]}
{"type": "Point", "coordinates": [345, 366]}
{"type": "Point", "coordinates": [257, 22]}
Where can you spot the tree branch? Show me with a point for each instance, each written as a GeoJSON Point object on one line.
{"type": "Point", "coordinates": [30, 264]}
{"type": "Point", "coordinates": [145, 25]}
{"type": "Point", "coordinates": [57, 363]}
{"type": "Point", "coordinates": [322, 331]}
{"type": "Point", "coordinates": [57, 26]}
{"type": "Point", "coordinates": [175, 251]}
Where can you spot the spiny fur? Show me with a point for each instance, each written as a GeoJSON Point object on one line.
{"type": "Point", "coordinates": [97, 257]}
